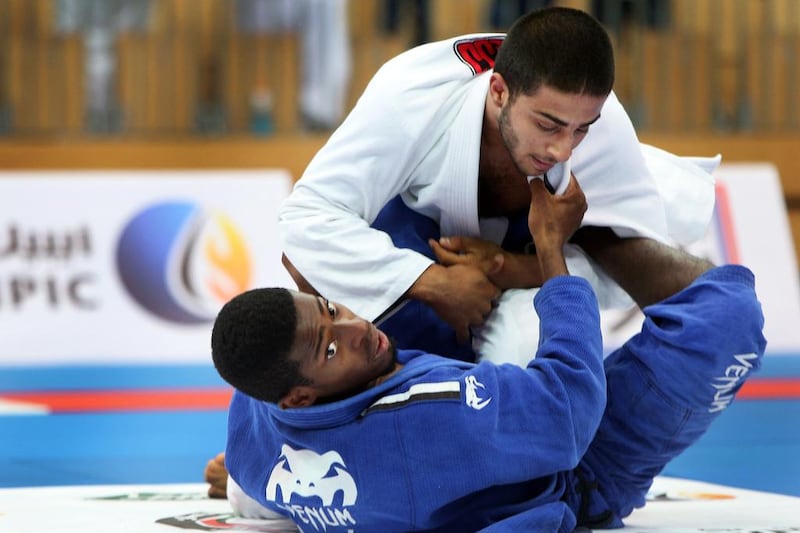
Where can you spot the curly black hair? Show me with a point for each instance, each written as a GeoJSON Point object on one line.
{"type": "Point", "coordinates": [250, 343]}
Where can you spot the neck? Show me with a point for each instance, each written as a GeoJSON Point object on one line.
{"type": "Point", "coordinates": [502, 188]}
{"type": "Point", "coordinates": [380, 379]}
{"type": "Point", "coordinates": [352, 392]}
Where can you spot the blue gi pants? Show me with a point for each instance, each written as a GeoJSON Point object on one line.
{"type": "Point", "coordinates": [665, 386]}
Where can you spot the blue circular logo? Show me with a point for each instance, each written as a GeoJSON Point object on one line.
{"type": "Point", "coordinates": [182, 262]}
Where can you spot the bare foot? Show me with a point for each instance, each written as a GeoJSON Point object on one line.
{"type": "Point", "coordinates": [217, 477]}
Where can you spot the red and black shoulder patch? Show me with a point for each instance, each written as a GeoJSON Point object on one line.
{"type": "Point", "coordinates": [478, 53]}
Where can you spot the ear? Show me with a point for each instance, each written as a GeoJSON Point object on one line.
{"type": "Point", "coordinates": [298, 396]}
{"type": "Point", "coordinates": [498, 89]}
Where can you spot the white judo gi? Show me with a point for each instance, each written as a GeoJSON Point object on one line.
{"type": "Point", "coordinates": [416, 132]}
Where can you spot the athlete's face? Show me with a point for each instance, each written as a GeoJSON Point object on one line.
{"type": "Point", "coordinates": [338, 351]}
{"type": "Point", "coordinates": [542, 129]}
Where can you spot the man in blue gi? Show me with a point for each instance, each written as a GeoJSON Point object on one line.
{"type": "Point", "coordinates": [334, 428]}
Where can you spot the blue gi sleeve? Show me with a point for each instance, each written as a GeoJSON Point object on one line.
{"type": "Point", "coordinates": [567, 377]}
{"type": "Point", "coordinates": [502, 441]}
{"type": "Point", "coordinates": [540, 419]}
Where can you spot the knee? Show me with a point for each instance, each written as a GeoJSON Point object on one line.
{"type": "Point", "coordinates": [702, 344]}
{"type": "Point", "coordinates": [718, 314]}
{"type": "Point", "coordinates": [729, 312]}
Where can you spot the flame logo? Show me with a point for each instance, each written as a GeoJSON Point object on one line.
{"type": "Point", "coordinates": [228, 255]}
{"type": "Point", "coordinates": [181, 262]}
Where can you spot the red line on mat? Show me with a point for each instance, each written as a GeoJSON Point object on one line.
{"type": "Point", "coordinates": [126, 400]}
{"type": "Point", "coordinates": [770, 389]}
{"type": "Point", "coordinates": [219, 398]}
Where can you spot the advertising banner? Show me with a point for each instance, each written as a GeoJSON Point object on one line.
{"type": "Point", "coordinates": [130, 266]}
{"type": "Point", "coordinates": [750, 226]}
{"type": "Point", "coordinates": [126, 267]}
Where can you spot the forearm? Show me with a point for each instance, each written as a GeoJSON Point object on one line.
{"type": "Point", "coordinates": [571, 353]}
{"type": "Point", "coordinates": [426, 288]}
{"type": "Point", "coordinates": [302, 283]}
{"type": "Point", "coordinates": [551, 261]}
{"type": "Point", "coordinates": [519, 271]}
{"type": "Point", "coordinates": [649, 271]}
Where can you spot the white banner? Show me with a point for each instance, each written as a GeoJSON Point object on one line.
{"type": "Point", "coordinates": [130, 266]}
{"type": "Point", "coordinates": [750, 226]}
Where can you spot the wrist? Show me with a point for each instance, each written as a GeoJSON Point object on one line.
{"type": "Point", "coordinates": [424, 288]}
{"type": "Point", "coordinates": [551, 262]}
{"type": "Point", "coordinates": [520, 271]}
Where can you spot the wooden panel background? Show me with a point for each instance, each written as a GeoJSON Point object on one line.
{"type": "Point", "coordinates": [723, 77]}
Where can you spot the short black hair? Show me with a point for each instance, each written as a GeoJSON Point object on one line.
{"type": "Point", "coordinates": [250, 343]}
{"type": "Point", "coordinates": [564, 48]}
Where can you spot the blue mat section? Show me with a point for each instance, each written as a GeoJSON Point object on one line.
{"type": "Point", "coordinates": [755, 444]}
{"type": "Point", "coordinates": [108, 448]}
{"type": "Point", "coordinates": [77, 449]}
{"type": "Point", "coordinates": [98, 377]}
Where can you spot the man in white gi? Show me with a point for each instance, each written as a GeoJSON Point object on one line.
{"type": "Point", "coordinates": [443, 142]}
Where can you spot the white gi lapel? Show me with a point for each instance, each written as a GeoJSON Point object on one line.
{"type": "Point", "coordinates": [460, 185]}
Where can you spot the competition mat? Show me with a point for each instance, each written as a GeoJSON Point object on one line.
{"type": "Point", "coordinates": [107, 449]}
{"type": "Point", "coordinates": [675, 506]}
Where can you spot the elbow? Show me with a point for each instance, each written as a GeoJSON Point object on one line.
{"type": "Point", "coordinates": [589, 415]}
{"type": "Point", "coordinates": [587, 408]}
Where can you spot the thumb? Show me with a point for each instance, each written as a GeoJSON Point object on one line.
{"type": "Point", "coordinates": [497, 264]}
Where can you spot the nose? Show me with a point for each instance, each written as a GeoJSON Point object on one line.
{"type": "Point", "coordinates": [560, 147]}
{"type": "Point", "coordinates": [354, 332]}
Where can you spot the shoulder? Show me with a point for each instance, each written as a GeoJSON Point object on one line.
{"type": "Point", "coordinates": [441, 62]}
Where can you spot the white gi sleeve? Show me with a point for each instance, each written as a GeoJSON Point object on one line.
{"type": "Point", "coordinates": [369, 159]}
{"type": "Point", "coordinates": [247, 508]}
{"type": "Point", "coordinates": [325, 222]}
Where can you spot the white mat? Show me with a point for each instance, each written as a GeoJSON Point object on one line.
{"type": "Point", "coordinates": [677, 506]}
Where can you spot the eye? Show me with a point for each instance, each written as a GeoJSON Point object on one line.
{"type": "Point", "coordinates": [330, 352]}
{"type": "Point", "coordinates": [581, 131]}
{"type": "Point", "coordinates": [331, 308]}
{"type": "Point", "coordinates": [546, 128]}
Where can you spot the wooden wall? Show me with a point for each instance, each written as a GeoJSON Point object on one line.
{"type": "Point", "coordinates": [722, 78]}
{"type": "Point", "coordinates": [731, 65]}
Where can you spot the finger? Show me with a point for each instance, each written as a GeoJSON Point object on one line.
{"type": "Point", "coordinates": [217, 492]}
{"type": "Point", "coordinates": [496, 292]}
{"type": "Point", "coordinates": [215, 468]}
{"type": "Point", "coordinates": [573, 187]}
{"type": "Point", "coordinates": [454, 244]}
{"type": "Point", "coordinates": [537, 187]}
{"type": "Point", "coordinates": [439, 252]}
{"type": "Point", "coordinates": [445, 257]}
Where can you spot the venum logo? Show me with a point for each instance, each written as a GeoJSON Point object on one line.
{"type": "Point", "coordinates": [726, 384]}
{"type": "Point", "coordinates": [473, 399]}
{"type": "Point", "coordinates": [303, 479]}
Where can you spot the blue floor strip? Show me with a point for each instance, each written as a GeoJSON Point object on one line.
{"type": "Point", "coordinates": [755, 444]}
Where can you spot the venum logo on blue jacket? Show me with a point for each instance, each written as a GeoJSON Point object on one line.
{"type": "Point", "coordinates": [315, 489]}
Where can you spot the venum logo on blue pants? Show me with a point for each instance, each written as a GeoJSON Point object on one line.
{"type": "Point", "coordinates": [667, 384]}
